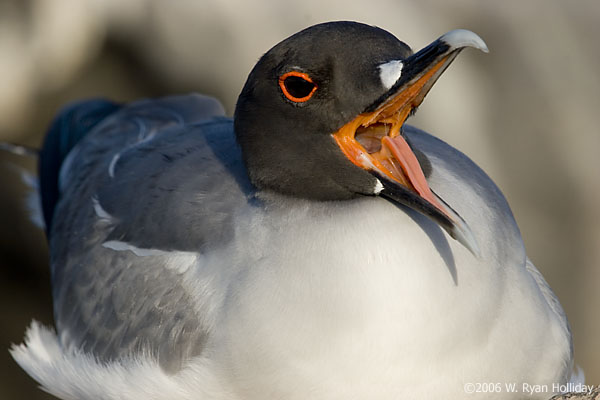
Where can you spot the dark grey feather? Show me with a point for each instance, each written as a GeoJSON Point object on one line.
{"type": "Point", "coordinates": [177, 172]}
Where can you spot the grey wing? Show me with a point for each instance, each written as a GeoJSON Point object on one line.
{"type": "Point", "coordinates": [143, 197]}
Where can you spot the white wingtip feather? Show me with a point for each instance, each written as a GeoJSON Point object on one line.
{"type": "Point", "coordinates": [70, 374]}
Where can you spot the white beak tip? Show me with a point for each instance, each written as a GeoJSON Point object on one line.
{"type": "Point", "coordinates": [460, 38]}
{"type": "Point", "coordinates": [463, 234]}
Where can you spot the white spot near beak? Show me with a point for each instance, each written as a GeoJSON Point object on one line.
{"type": "Point", "coordinates": [390, 72]}
{"type": "Point", "coordinates": [378, 187]}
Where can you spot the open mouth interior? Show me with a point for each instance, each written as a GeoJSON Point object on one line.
{"type": "Point", "coordinates": [370, 137]}
{"type": "Point", "coordinates": [378, 140]}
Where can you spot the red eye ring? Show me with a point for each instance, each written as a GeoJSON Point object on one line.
{"type": "Point", "coordinates": [301, 75]}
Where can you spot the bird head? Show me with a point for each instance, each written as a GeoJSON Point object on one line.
{"type": "Point", "coordinates": [321, 114]}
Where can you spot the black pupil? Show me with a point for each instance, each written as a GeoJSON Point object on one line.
{"type": "Point", "coordinates": [298, 86]}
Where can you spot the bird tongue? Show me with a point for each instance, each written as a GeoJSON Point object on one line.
{"type": "Point", "coordinates": [412, 169]}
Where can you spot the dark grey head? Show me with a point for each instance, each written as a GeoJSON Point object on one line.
{"type": "Point", "coordinates": [287, 144]}
{"type": "Point", "coordinates": [320, 115]}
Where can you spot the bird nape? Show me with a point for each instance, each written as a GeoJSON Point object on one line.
{"type": "Point", "coordinates": [315, 246]}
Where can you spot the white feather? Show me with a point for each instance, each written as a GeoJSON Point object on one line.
{"type": "Point", "coordinates": [179, 261]}
{"type": "Point", "coordinates": [378, 187]}
{"type": "Point", "coordinates": [73, 375]}
{"type": "Point", "coordinates": [112, 165]}
{"type": "Point", "coordinates": [33, 201]}
{"type": "Point", "coordinates": [100, 212]}
{"type": "Point", "coordinates": [390, 72]}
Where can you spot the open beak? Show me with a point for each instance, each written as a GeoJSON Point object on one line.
{"type": "Point", "coordinates": [374, 141]}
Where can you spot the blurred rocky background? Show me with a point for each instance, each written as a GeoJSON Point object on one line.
{"type": "Point", "coordinates": [528, 113]}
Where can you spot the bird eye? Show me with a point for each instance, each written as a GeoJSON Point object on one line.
{"type": "Point", "coordinates": [297, 86]}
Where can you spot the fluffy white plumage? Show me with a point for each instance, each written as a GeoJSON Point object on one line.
{"type": "Point", "coordinates": [305, 331]}
{"type": "Point", "coordinates": [72, 375]}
